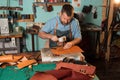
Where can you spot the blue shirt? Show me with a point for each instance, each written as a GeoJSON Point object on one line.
{"type": "Point", "coordinates": [51, 24]}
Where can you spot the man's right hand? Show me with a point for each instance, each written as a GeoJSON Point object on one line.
{"type": "Point", "coordinates": [54, 38]}
{"type": "Point", "coordinates": [45, 35]}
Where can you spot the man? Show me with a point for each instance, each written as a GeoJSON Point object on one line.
{"type": "Point", "coordinates": [63, 25]}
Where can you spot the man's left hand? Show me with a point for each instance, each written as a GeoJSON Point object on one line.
{"type": "Point", "coordinates": [68, 45]}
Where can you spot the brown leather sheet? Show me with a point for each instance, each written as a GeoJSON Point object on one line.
{"type": "Point", "coordinates": [25, 63]}
{"type": "Point", "coordinates": [10, 58]}
{"type": "Point", "coordinates": [60, 50]}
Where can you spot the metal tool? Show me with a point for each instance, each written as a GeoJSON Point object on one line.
{"type": "Point", "coordinates": [62, 39]}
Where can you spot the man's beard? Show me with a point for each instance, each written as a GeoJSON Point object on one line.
{"type": "Point", "coordinates": [64, 23]}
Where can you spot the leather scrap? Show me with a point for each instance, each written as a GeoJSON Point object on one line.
{"type": "Point", "coordinates": [42, 76]}
{"type": "Point", "coordinates": [60, 50]}
{"type": "Point", "coordinates": [10, 58]}
{"type": "Point", "coordinates": [26, 63]}
{"type": "Point", "coordinates": [61, 74]}
{"type": "Point", "coordinates": [85, 69]}
{"type": "Point", "coordinates": [3, 65]}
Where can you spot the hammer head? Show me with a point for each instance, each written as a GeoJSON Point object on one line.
{"type": "Point", "coordinates": [62, 39]}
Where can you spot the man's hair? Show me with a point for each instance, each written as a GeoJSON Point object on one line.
{"type": "Point", "coordinates": [68, 9]}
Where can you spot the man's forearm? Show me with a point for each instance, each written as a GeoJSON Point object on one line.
{"type": "Point", "coordinates": [44, 35]}
{"type": "Point", "coordinates": [76, 41]}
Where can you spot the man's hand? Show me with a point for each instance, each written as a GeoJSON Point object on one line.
{"type": "Point", "coordinates": [72, 43]}
{"type": "Point", "coordinates": [54, 38]}
{"type": "Point", "coordinates": [60, 43]}
{"type": "Point", "coordinates": [68, 45]}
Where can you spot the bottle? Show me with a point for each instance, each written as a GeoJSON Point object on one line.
{"type": "Point", "coordinates": [24, 49]}
{"type": "Point", "coordinates": [65, 0]}
{"type": "Point", "coordinates": [3, 14]}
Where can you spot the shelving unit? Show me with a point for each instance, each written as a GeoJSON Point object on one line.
{"type": "Point", "coordinates": [50, 3]}
{"type": "Point", "coordinates": [10, 8]}
{"type": "Point", "coordinates": [25, 20]}
{"type": "Point", "coordinates": [31, 19]}
{"type": "Point", "coordinates": [8, 49]}
{"type": "Point", "coordinates": [12, 45]}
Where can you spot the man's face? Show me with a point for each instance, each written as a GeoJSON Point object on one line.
{"type": "Point", "coordinates": [65, 19]}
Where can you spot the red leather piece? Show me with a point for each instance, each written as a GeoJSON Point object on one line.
{"type": "Point", "coordinates": [85, 69]}
{"type": "Point", "coordinates": [43, 76]}
{"type": "Point", "coordinates": [60, 75]}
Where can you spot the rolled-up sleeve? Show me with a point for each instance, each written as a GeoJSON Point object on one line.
{"type": "Point", "coordinates": [76, 30]}
{"type": "Point", "coordinates": [46, 28]}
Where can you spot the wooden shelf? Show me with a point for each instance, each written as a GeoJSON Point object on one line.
{"type": "Point", "coordinates": [50, 3]}
{"type": "Point", "coordinates": [10, 8]}
{"type": "Point", "coordinates": [11, 48]}
{"type": "Point", "coordinates": [10, 35]}
{"type": "Point", "coordinates": [25, 20]}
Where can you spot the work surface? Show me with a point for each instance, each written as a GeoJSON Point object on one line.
{"type": "Point", "coordinates": [10, 35]}
{"type": "Point", "coordinates": [13, 73]}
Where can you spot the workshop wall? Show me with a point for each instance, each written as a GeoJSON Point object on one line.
{"type": "Point", "coordinates": [43, 16]}
{"type": "Point", "coordinates": [89, 18]}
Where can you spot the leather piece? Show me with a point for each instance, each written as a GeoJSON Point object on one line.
{"type": "Point", "coordinates": [25, 63]}
{"type": "Point", "coordinates": [78, 76]}
{"type": "Point", "coordinates": [10, 58]}
{"type": "Point", "coordinates": [42, 76]}
{"type": "Point", "coordinates": [85, 69]}
{"type": "Point", "coordinates": [60, 50]}
{"type": "Point", "coordinates": [61, 74]}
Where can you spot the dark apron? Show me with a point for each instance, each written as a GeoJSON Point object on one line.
{"type": "Point", "coordinates": [59, 33]}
